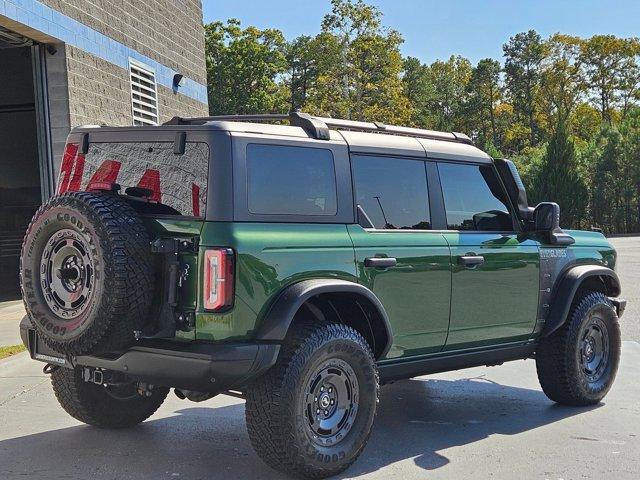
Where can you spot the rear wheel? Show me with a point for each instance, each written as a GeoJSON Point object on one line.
{"type": "Point", "coordinates": [577, 364]}
{"type": "Point", "coordinates": [312, 413]}
{"type": "Point", "coordinates": [115, 406]}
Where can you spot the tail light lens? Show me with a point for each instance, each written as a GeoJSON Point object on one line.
{"type": "Point", "coordinates": [218, 278]}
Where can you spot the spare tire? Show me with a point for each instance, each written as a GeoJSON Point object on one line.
{"type": "Point", "coordinates": [86, 273]}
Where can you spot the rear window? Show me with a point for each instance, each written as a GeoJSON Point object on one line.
{"type": "Point", "coordinates": [285, 180]}
{"type": "Point", "coordinates": [177, 181]}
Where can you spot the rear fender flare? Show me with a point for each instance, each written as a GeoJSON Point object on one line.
{"type": "Point", "coordinates": [276, 322]}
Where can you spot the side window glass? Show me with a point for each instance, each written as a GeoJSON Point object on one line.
{"type": "Point", "coordinates": [285, 180]}
{"type": "Point", "coordinates": [392, 191]}
{"type": "Point", "coordinates": [474, 198]}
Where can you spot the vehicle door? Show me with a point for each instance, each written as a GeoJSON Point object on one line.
{"type": "Point", "coordinates": [399, 257]}
{"type": "Point", "coordinates": [495, 281]}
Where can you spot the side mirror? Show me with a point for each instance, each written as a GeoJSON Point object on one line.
{"type": "Point", "coordinates": [546, 219]}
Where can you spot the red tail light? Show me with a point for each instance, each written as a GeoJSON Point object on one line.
{"type": "Point", "coordinates": [218, 279]}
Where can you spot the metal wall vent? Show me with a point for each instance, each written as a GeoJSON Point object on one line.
{"type": "Point", "coordinates": [144, 94]}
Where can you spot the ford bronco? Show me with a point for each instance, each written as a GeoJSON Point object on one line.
{"type": "Point", "coordinates": [299, 262]}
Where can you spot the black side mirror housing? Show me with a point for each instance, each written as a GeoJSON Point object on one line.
{"type": "Point", "coordinates": [546, 219]}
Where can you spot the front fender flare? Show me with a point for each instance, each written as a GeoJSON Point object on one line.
{"type": "Point", "coordinates": [567, 287]}
{"type": "Point", "coordinates": [276, 322]}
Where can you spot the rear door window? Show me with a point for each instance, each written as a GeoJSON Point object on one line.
{"type": "Point", "coordinates": [392, 191]}
{"type": "Point", "coordinates": [474, 198]}
{"type": "Point", "coordinates": [285, 180]}
{"type": "Point", "coordinates": [178, 182]}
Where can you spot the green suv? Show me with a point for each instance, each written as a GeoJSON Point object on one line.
{"type": "Point", "coordinates": [299, 262]}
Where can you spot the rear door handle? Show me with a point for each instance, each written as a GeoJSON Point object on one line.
{"type": "Point", "coordinates": [380, 262]}
{"type": "Point", "coordinates": [471, 260]}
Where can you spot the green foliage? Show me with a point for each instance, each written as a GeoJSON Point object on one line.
{"type": "Point", "coordinates": [558, 179]}
{"type": "Point", "coordinates": [243, 66]}
{"type": "Point", "coordinates": [524, 54]}
{"type": "Point", "coordinates": [564, 108]}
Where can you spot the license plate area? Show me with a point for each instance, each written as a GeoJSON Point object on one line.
{"type": "Point", "coordinates": [40, 351]}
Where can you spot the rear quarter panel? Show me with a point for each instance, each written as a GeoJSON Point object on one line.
{"type": "Point", "coordinates": [270, 256]}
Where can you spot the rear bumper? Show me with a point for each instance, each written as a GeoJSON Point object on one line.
{"type": "Point", "coordinates": [202, 367]}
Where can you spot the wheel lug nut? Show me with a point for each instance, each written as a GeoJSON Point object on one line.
{"type": "Point", "coordinates": [330, 390]}
{"type": "Point", "coordinates": [332, 402]}
{"type": "Point", "coordinates": [322, 389]}
{"type": "Point", "coordinates": [318, 411]}
{"type": "Point", "coordinates": [326, 412]}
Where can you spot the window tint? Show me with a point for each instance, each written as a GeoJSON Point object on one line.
{"type": "Point", "coordinates": [474, 198]}
{"type": "Point", "coordinates": [392, 192]}
{"type": "Point", "coordinates": [176, 182]}
{"type": "Point", "coordinates": [290, 180]}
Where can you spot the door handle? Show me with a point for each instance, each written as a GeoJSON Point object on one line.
{"type": "Point", "coordinates": [471, 260]}
{"type": "Point", "coordinates": [380, 262]}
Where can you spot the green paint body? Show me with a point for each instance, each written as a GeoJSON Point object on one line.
{"type": "Point", "coordinates": [434, 304]}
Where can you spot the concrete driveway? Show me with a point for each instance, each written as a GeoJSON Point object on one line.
{"type": "Point", "coordinates": [479, 423]}
{"type": "Point", "coordinates": [10, 315]}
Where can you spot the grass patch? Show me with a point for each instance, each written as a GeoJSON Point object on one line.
{"type": "Point", "coordinates": [12, 350]}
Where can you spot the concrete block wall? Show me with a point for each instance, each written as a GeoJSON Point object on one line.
{"type": "Point", "coordinates": [168, 31]}
{"type": "Point", "coordinates": [100, 38]}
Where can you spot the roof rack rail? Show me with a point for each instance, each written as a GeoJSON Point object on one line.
{"type": "Point", "coordinates": [318, 127]}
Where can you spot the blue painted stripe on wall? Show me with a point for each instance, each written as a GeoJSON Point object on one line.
{"type": "Point", "coordinates": [40, 17]}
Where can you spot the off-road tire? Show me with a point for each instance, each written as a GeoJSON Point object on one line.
{"type": "Point", "coordinates": [115, 244]}
{"type": "Point", "coordinates": [94, 405]}
{"type": "Point", "coordinates": [277, 425]}
{"type": "Point", "coordinates": [559, 357]}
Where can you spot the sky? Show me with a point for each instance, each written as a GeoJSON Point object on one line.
{"type": "Point", "coordinates": [437, 29]}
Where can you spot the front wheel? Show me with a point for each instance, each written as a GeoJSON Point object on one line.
{"type": "Point", "coordinates": [311, 415]}
{"type": "Point", "coordinates": [577, 364]}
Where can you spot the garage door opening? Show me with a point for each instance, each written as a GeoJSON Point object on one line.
{"type": "Point", "coordinates": [21, 185]}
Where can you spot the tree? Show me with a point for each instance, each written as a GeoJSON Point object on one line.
{"type": "Point", "coordinates": [369, 68]}
{"type": "Point", "coordinates": [301, 55]}
{"type": "Point", "coordinates": [438, 92]}
{"type": "Point", "coordinates": [610, 70]}
{"type": "Point", "coordinates": [485, 92]}
{"type": "Point", "coordinates": [561, 84]}
{"type": "Point", "coordinates": [558, 179]}
{"type": "Point", "coordinates": [524, 54]}
{"type": "Point", "coordinates": [243, 66]}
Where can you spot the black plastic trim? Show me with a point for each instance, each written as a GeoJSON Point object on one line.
{"type": "Point", "coordinates": [275, 324]}
{"type": "Point", "coordinates": [197, 366]}
{"type": "Point", "coordinates": [567, 287]}
{"type": "Point", "coordinates": [457, 361]}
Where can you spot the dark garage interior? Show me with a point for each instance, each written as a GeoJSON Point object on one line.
{"type": "Point", "coordinates": [20, 189]}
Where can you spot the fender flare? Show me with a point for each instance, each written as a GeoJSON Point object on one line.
{"type": "Point", "coordinates": [277, 320]}
{"type": "Point", "coordinates": [567, 287]}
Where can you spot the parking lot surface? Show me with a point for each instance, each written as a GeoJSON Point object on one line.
{"type": "Point", "coordinates": [477, 423]}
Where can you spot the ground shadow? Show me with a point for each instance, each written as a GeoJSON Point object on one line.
{"type": "Point", "coordinates": [417, 419]}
